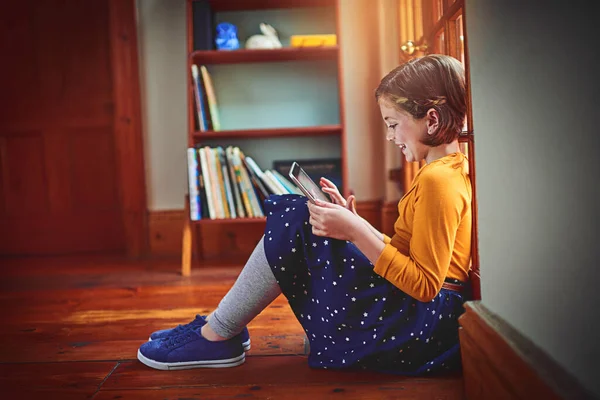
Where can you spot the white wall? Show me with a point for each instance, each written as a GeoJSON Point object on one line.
{"type": "Point", "coordinates": [536, 125]}
{"type": "Point", "coordinates": [162, 47]}
{"type": "Point", "coordinates": [162, 51]}
{"type": "Point", "coordinates": [359, 29]}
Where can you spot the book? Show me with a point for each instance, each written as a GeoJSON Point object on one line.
{"type": "Point", "coordinates": [203, 25]}
{"type": "Point", "coordinates": [255, 175]}
{"type": "Point", "coordinates": [207, 183]}
{"type": "Point", "coordinates": [234, 183]}
{"type": "Point", "coordinates": [201, 112]}
{"type": "Point", "coordinates": [193, 191]}
{"type": "Point", "coordinates": [290, 187]}
{"type": "Point", "coordinates": [204, 212]}
{"type": "Point", "coordinates": [212, 99]}
{"type": "Point", "coordinates": [227, 183]}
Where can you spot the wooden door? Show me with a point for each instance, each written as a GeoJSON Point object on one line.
{"type": "Point", "coordinates": [59, 189]}
{"type": "Point", "coordinates": [438, 26]}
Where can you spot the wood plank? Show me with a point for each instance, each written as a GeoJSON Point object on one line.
{"type": "Point", "coordinates": [265, 55]}
{"type": "Point", "coordinates": [53, 380]}
{"type": "Point", "coordinates": [59, 66]}
{"type": "Point", "coordinates": [67, 349]}
{"type": "Point", "coordinates": [403, 389]}
{"type": "Point", "coordinates": [127, 123]}
{"type": "Point", "coordinates": [324, 130]}
{"type": "Point", "coordinates": [45, 274]}
{"type": "Point", "coordinates": [259, 370]}
{"type": "Point", "coordinates": [236, 5]}
{"type": "Point", "coordinates": [136, 330]}
{"type": "Point", "coordinates": [91, 314]}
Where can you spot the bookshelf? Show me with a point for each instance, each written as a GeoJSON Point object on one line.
{"type": "Point", "coordinates": [279, 104]}
{"type": "Point", "coordinates": [275, 55]}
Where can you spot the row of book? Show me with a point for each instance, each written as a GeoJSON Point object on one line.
{"type": "Point", "coordinates": [205, 100]}
{"type": "Point", "coordinates": [225, 183]}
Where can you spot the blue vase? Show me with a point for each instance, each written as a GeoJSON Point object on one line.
{"type": "Point", "coordinates": [227, 37]}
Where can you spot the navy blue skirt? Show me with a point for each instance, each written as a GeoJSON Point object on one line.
{"type": "Point", "coordinates": [354, 318]}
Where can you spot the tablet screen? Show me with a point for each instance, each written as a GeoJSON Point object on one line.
{"type": "Point", "coordinates": [307, 185]}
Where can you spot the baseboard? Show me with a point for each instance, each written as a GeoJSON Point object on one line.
{"type": "Point", "coordinates": [500, 363]}
{"type": "Point", "coordinates": [223, 240]}
{"type": "Point", "coordinates": [389, 215]}
{"type": "Point", "coordinates": [165, 232]}
{"type": "Point", "coordinates": [371, 211]}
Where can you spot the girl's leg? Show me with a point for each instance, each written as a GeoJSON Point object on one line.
{"type": "Point", "coordinates": [253, 291]}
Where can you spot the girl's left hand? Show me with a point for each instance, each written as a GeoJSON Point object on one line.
{"type": "Point", "coordinates": [333, 220]}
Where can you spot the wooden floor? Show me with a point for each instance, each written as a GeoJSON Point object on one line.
{"type": "Point", "coordinates": [72, 326]}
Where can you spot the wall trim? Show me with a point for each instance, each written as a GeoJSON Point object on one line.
{"type": "Point", "coordinates": [500, 363]}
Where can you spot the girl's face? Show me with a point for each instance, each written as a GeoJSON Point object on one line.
{"type": "Point", "coordinates": [406, 132]}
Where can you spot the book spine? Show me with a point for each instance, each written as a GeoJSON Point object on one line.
{"type": "Point", "coordinates": [212, 99]}
{"type": "Point", "coordinates": [234, 184]}
{"type": "Point", "coordinates": [272, 185]}
{"type": "Point", "coordinates": [238, 173]}
{"type": "Point", "coordinates": [262, 191]}
{"type": "Point", "coordinates": [247, 186]}
{"type": "Point", "coordinates": [256, 208]}
{"type": "Point", "coordinates": [193, 184]}
{"type": "Point", "coordinates": [207, 183]}
{"type": "Point", "coordinates": [276, 182]}
{"type": "Point", "coordinates": [290, 187]}
{"type": "Point", "coordinates": [217, 184]}
{"type": "Point", "coordinates": [221, 180]}
{"type": "Point", "coordinates": [199, 97]}
{"type": "Point", "coordinates": [204, 212]}
{"type": "Point", "coordinates": [228, 188]}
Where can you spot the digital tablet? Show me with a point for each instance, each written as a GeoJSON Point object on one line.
{"type": "Point", "coordinates": [306, 185]}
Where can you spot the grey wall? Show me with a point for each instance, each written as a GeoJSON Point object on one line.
{"type": "Point", "coordinates": [535, 105]}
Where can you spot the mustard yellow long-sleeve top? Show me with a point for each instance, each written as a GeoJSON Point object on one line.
{"type": "Point", "coordinates": [432, 237]}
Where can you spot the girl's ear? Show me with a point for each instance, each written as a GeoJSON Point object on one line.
{"type": "Point", "coordinates": [433, 121]}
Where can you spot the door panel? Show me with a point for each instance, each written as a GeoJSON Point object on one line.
{"type": "Point", "coordinates": [59, 186]}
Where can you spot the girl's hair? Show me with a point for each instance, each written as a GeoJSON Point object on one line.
{"type": "Point", "coordinates": [434, 81]}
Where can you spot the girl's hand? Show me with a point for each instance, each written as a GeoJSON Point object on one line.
{"type": "Point", "coordinates": [333, 220]}
{"type": "Point", "coordinates": [329, 187]}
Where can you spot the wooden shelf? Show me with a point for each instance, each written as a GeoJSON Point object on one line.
{"type": "Point", "coordinates": [263, 55]}
{"type": "Point", "coordinates": [206, 221]}
{"type": "Point", "coordinates": [323, 130]}
{"type": "Point", "coordinates": [239, 5]}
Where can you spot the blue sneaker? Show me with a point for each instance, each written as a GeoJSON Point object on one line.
{"type": "Point", "coordinates": [200, 321]}
{"type": "Point", "coordinates": [191, 350]}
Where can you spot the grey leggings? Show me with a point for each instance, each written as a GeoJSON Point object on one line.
{"type": "Point", "coordinates": [252, 292]}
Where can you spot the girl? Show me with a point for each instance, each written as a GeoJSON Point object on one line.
{"type": "Point", "coordinates": [365, 300]}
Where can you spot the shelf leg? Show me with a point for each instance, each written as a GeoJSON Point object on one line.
{"type": "Point", "coordinates": [186, 254]}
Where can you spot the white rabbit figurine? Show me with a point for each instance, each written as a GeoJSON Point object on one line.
{"type": "Point", "coordinates": [268, 40]}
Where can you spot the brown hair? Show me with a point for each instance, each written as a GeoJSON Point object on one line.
{"type": "Point", "coordinates": [434, 81]}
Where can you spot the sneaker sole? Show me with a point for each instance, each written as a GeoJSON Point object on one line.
{"type": "Point", "coordinates": [246, 345]}
{"type": "Point", "coordinates": [227, 363]}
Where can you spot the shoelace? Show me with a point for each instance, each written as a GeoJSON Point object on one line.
{"type": "Point", "coordinates": [175, 340]}
{"type": "Point", "coordinates": [182, 328]}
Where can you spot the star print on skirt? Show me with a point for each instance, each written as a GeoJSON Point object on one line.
{"type": "Point", "coordinates": [353, 317]}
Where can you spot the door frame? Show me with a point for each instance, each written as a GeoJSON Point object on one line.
{"type": "Point", "coordinates": [127, 125]}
